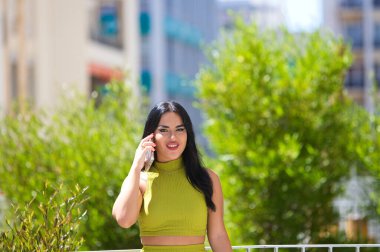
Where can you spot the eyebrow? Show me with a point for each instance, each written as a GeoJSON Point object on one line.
{"type": "Point", "coordinates": [167, 127]}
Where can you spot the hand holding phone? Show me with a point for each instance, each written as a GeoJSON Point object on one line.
{"type": "Point", "coordinates": [149, 158]}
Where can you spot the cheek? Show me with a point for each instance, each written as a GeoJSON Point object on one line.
{"type": "Point", "coordinates": [158, 141]}
{"type": "Point", "coordinates": [184, 141]}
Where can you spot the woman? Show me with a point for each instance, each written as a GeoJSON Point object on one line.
{"type": "Point", "coordinates": [177, 200]}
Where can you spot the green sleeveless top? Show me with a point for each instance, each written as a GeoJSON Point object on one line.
{"type": "Point", "coordinates": [171, 205]}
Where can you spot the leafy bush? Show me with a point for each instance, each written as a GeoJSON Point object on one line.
{"type": "Point", "coordinates": [369, 152]}
{"type": "Point", "coordinates": [86, 141]}
{"type": "Point", "coordinates": [53, 228]}
{"type": "Point", "coordinates": [282, 129]}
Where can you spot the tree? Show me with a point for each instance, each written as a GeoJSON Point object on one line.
{"type": "Point", "coordinates": [278, 120]}
{"type": "Point", "coordinates": [369, 152]}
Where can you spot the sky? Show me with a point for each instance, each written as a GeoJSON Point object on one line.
{"type": "Point", "coordinates": [303, 15]}
{"type": "Point", "coordinates": [300, 15]}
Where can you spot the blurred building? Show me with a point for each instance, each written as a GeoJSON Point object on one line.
{"type": "Point", "coordinates": [172, 35]}
{"type": "Point", "coordinates": [48, 44]}
{"type": "Point", "coordinates": [352, 207]}
{"type": "Point", "coordinates": [358, 21]}
{"type": "Point", "coordinates": [267, 14]}
{"type": "Point", "coordinates": [41, 49]}
{"type": "Point", "coordinates": [51, 46]}
{"type": "Point", "coordinates": [113, 48]}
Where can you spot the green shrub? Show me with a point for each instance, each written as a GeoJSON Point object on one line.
{"type": "Point", "coordinates": [86, 141]}
{"type": "Point", "coordinates": [52, 226]}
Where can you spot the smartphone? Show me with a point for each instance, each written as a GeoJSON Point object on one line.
{"type": "Point", "coordinates": [149, 158]}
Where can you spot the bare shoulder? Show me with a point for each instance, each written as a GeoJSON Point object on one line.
{"type": "Point", "coordinates": [217, 195]}
{"type": "Point", "coordinates": [214, 177]}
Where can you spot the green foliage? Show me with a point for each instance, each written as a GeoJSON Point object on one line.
{"type": "Point", "coordinates": [54, 227]}
{"type": "Point", "coordinates": [90, 142]}
{"type": "Point", "coordinates": [280, 125]}
{"type": "Point", "coordinates": [369, 152]}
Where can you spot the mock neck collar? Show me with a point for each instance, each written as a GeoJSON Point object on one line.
{"type": "Point", "coordinates": [171, 165]}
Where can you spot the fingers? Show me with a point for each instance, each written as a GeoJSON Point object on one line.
{"type": "Point", "coordinates": [148, 148]}
{"type": "Point", "coordinates": [146, 145]}
{"type": "Point", "coordinates": [147, 141]}
{"type": "Point", "coordinates": [148, 137]}
{"type": "Point", "coordinates": [152, 146]}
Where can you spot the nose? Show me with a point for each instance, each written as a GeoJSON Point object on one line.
{"type": "Point", "coordinates": [172, 135]}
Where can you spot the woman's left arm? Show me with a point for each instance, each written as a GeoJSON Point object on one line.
{"type": "Point", "coordinates": [216, 231]}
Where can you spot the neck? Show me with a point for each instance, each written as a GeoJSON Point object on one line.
{"type": "Point", "coordinates": [171, 165]}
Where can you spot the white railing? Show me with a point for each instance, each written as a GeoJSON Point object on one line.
{"type": "Point", "coordinates": [276, 248]}
{"type": "Point", "coordinates": [303, 248]}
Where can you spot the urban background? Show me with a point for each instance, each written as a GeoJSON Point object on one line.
{"type": "Point", "coordinates": [53, 50]}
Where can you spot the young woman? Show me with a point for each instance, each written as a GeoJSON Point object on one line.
{"type": "Point", "coordinates": [177, 201]}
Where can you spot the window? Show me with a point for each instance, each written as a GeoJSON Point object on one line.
{"type": "Point", "coordinates": [144, 6]}
{"type": "Point", "coordinates": [170, 54]}
{"type": "Point", "coordinates": [145, 52]}
{"type": "Point", "coordinates": [376, 36]}
{"type": "Point", "coordinates": [14, 80]}
{"type": "Point", "coordinates": [355, 76]}
{"type": "Point", "coordinates": [105, 22]}
{"type": "Point", "coordinates": [354, 34]}
{"type": "Point", "coordinates": [29, 85]}
{"type": "Point", "coordinates": [352, 3]}
{"type": "Point", "coordinates": [169, 7]}
{"type": "Point", "coordinates": [377, 73]}
{"type": "Point", "coordinates": [144, 23]}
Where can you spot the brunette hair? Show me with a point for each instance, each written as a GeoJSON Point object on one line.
{"type": "Point", "coordinates": [196, 173]}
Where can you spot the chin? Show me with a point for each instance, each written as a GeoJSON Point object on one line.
{"type": "Point", "coordinates": [173, 157]}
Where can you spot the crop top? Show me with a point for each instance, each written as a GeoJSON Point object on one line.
{"type": "Point", "coordinates": [171, 205]}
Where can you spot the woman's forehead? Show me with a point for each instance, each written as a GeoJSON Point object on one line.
{"type": "Point", "coordinates": [170, 119]}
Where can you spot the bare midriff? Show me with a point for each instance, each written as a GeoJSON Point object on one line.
{"type": "Point", "coordinates": [171, 240]}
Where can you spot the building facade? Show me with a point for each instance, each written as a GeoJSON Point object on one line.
{"type": "Point", "coordinates": [42, 49]}
{"type": "Point", "coordinates": [51, 46]}
{"type": "Point", "coordinates": [358, 22]}
{"type": "Point", "coordinates": [157, 44]}
{"type": "Point", "coordinates": [114, 42]}
{"type": "Point", "coordinates": [172, 35]}
{"type": "Point", "coordinates": [266, 14]}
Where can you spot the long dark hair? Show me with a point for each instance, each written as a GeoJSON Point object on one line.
{"type": "Point", "coordinates": [196, 173]}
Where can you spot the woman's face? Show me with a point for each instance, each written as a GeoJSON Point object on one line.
{"type": "Point", "coordinates": [170, 137]}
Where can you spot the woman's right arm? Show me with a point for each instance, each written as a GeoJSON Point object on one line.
{"type": "Point", "coordinates": [127, 206]}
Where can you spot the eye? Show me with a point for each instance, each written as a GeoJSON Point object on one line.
{"type": "Point", "coordinates": [162, 130]}
{"type": "Point", "coordinates": [180, 130]}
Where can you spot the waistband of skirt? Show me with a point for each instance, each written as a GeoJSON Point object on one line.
{"type": "Point", "coordinates": [176, 248]}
